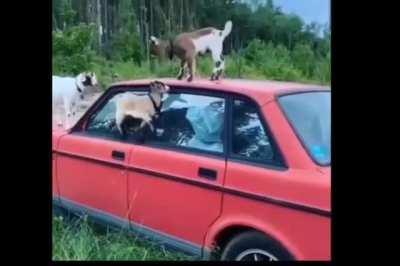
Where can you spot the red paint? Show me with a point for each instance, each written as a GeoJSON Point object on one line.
{"type": "Point", "coordinates": [90, 183]}
{"type": "Point", "coordinates": [194, 213]}
{"type": "Point", "coordinates": [175, 205]}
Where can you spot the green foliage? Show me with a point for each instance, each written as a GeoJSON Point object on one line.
{"type": "Point", "coordinates": [322, 70]}
{"type": "Point", "coordinates": [81, 240]}
{"type": "Point", "coordinates": [278, 62]}
{"type": "Point", "coordinates": [204, 66]}
{"type": "Point", "coordinates": [72, 51]}
{"type": "Point", "coordinates": [126, 47]}
{"type": "Point", "coordinates": [304, 59]}
{"type": "Point", "coordinates": [270, 62]}
{"type": "Point", "coordinates": [235, 65]}
{"type": "Point", "coordinates": [265, 43]}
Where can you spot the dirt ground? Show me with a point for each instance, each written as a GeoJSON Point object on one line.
{"type": "Point", "coordinates": [58, 113]}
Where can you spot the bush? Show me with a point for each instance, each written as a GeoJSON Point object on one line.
{"type": "Point", "coordinates": [304, 59]}
{"type": "Point", "coordinates": [235, 65]}
{"type": "Point", "coordinates": [270, 62]}
{"type": "Point", "coordinates": [322, 70]}
{"type": "Point", "coordinates": [205, 66]}
{"type": "Point", "coordinates": [72, 51]}
{"type": "Point", "coordinates": [126, 47]}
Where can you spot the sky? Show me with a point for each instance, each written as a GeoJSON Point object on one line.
{"type": "Point", "coordinates": [309, 10]}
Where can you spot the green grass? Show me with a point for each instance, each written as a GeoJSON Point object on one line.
{"type": "Point", "coordinates": [235, 68]}
{"type": "Point", "coordinates": [81, 240]}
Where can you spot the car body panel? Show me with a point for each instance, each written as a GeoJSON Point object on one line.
{"type": "Point", "coordinates": [168, 183]}
{"type": "Point", "coordinates": [88, 175]}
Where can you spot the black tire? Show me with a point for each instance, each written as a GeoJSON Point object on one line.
{"type": "Point", "coordinates": [252, 240]}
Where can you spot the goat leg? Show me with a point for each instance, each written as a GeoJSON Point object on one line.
{"type": "Point", "coordinates": [219, 72]}
{"type": "Point", "coordinates": [218, 59]}
{"type": "Point", "coordinates": [192, 68]}
{"type": "Point", "coordinates": [181, 70]}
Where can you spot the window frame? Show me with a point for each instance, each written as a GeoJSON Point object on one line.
{"type": "Point", "coordinates": [279, 163]}
{"type": "Point", "coordinates": [292, 126]}
{"type": "Point", "coordinates": [81, 127]}
{"type": "Point", "coordinates": [191, 150]}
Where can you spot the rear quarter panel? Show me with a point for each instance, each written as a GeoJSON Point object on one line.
{"type": "Point", "coordinates": [306, 235]}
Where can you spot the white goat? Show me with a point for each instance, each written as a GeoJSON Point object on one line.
{"type": "Point", "coordinates": [69, 91]}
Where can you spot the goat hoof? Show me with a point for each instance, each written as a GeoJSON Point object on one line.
{"type": "Point", "coordinates": [190, 78]}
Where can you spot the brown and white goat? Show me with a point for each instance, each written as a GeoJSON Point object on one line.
{"type": "Point", "coordinates": [186, 46]}
{"type": "Point", "coordinates": [142, 107]}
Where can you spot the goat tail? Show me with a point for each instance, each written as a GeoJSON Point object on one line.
{"type": "Point", "coordinates": [227, 29]}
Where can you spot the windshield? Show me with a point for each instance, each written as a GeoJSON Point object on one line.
{"type": "Point", "coordinates": [310, 115]}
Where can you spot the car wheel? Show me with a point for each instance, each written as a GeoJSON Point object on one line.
{"type": "Point", "coordinates": [253, 246]}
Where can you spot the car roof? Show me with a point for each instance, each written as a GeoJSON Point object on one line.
{"type": "Point", "coordinates": [261, 91]}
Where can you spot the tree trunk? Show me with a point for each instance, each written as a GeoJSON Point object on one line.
{"type": "Point", "coordinates": [151, 18]}
{"type": "Point", "coordinates": [181, 17]}
{"type": "Point", "coordinates": [55, 27]}
{"type": "Point", "coordinates": [106, 29]}
{"type": "Point", "coordinates": [100, 30]}
{"type": "Point", "coordinates": [187, 13]}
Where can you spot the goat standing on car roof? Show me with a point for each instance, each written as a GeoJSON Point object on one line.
{"type": "Point", "coordinates": [188, 45]}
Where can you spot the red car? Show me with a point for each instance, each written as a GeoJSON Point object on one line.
{"type": "Point", "coordinates": [234, 170]}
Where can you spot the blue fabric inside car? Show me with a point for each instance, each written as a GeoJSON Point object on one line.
{"type": "Point", "coordinates": [207, 123]}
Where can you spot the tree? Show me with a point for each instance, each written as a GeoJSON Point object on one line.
{"type": "Point", "coordinates": [123, 27]}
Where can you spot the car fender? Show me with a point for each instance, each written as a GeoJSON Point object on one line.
{"type": "Point", "coordinates": [227, 221]}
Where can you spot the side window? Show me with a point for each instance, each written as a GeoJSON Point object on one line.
{"type": "Point", "coordinates": [249, 138]}
{"type": "Point", "coordinates": [191, 121]}
{"type": "Point", "coordinates": [102, 123]}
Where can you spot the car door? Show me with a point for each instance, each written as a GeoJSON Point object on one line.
{"type": "Point", "coordinates": [175, 177]}
{"type": "Point", "coordinates": [91, 167]}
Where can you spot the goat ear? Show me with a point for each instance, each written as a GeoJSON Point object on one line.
{"type": "Point", "coordinates": [82, 77]}
{"type": "Point", "coordinates": [154, 40]}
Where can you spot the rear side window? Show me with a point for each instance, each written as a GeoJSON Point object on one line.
{"type": "Point", "coordinates": [310, 115]}
{"type": "Point", "coordinates": [250, 140]}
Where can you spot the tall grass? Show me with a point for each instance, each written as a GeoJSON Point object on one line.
{"type": "Point", "coordinates": [111, 71]}
{"type": "Point", "coordinates": [73, 53]}
{"type": "Point", "coordinates": [79, 239]}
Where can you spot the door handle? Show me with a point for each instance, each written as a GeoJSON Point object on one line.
{"type": "Point", "coordinates": [118, 155]}
{"type": "Point", "coordinates": [207, 173]}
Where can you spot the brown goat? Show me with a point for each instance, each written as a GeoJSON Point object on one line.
{"type": "Point", "coordinates": [186, 46]}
